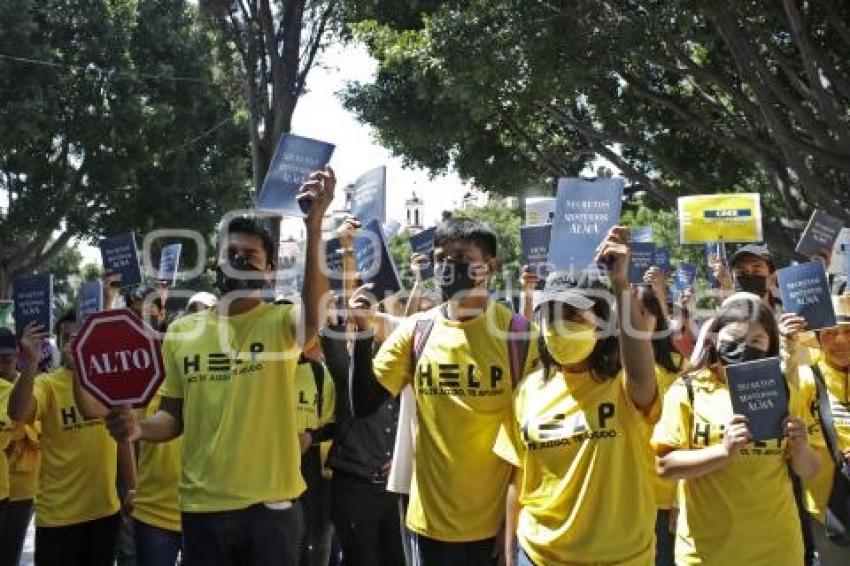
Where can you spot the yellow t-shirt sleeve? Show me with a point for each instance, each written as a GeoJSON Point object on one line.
{"type": "Point", "coordinates": [290, 316]}
{"type": "Point", "coordinates": [41, 394]}
{"type": "Point", "coordinates": [393, 366]}
{"type": "Point", "coordinates": [650, 415]}
{"type": "Point", "coordinates": [673, 429]}
{"type": "Point", "coordinates": [509, 446]}
{"type": "Point", "coordinates": [329, 401]}
{"type": "Point", "coordinates": [532, 359]}
{"type": "Point", "coordinates": [173, 385]}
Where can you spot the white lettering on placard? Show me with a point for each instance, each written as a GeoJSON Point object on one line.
{"type": "Point", "coordinates": [120, 361]}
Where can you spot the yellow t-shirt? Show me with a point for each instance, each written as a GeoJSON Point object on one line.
{"type": "Point", "coordinates": [157, 502]}
{"type": "Point", "coordinates": [308, 398]}
{"type": "Point", "coordinates": [743, 513]}
{"type": "Point", "coordinates": [581, 445]}
{"type": "Point", "coordinates": [308, 404]}
{"type": "Point", "coordinates": [663, 490]}
{"type": "Point", "coordinates": [819, 487]}
{"type": "Point", "coordinates": [78, 457]}
{"type": "Point", "coordinates": [463, 393]}
{"type": "Point", "coordinates": [236, 376]}
{"type": "Point", "coordinates": [24, 461]}
{"type": "Point", "coordinates": [6, 428]}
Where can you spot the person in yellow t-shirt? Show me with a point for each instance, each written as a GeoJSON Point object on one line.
{"type": "Point", "coordinates": [7, 366]}
{"type": "Point", "coordinates": [24, 458]}
{"type": "Point", "coordinates": [316, 404]}
{"type": "Point", "coordinates": [463, 383]}
{"type": "Point", "coordinates": [580, 426]}
{"type": "Point", "coordinates": [76, 507]}
{"type": "Point", "coordinates": [156, 503]}
{"type": "Point", "coordinates": [230, 390]}
{"type": "Point", "coordinates": [833, 367]}
{"type": "Point", "coordinates": [668, 365]}
{"type": "Point", "coordinates": [736, 499]}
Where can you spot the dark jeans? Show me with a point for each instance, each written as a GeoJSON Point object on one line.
{"type": "Point", "coordinates": [258, 535]}
{"type": "Point", "coordinates": [406, 535]}
{"type": "Point", "coordinates": [316, 502]}
{"type": "Point", "coordinates": [14, 531]}
{"type": "Point", "coordinates": [84, 544]}
{"type": "Point", "coordinates": [155, 546]}
{"type": "Point", "coordinates": [665, 541]}
{"type": "Point", "coordinates": [430, 552]}
{"type": "Point", "coordinates": [365, 517]}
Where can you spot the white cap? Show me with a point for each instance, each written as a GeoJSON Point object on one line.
{"type": "Point", "coordinates": [206, 299]}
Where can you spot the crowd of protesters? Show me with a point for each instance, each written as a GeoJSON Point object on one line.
{"type": "Point", "coordinates": [594, 426]}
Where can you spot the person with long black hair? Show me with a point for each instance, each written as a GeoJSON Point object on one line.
{"type": "Point", "coordinates": [578, 434]}
{"type": "Point", "coordinates": [737, 499]}
{"type": "Point", "coordinates": [668, 364]}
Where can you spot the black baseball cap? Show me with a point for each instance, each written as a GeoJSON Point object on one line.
{"type": "Point", "coordinates": [758, 250]}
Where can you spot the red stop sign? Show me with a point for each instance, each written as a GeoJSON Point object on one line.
{"type": "Point", "coordinates": [118, 358]}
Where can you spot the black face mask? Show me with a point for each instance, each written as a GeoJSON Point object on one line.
{"type": "Point", "coordinates": [731, 353]}
{"type": "Point", "coordinates": [228, 283]}
{"type": "Point", "coordinates": [755, 284]}
{"type": "Point", "coordinates": [453, 278]}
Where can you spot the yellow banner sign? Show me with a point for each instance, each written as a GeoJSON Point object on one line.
{"type": "Point", "coordinates": [730, 217]}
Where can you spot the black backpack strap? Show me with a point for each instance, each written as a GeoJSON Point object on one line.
{"type": "Point", "coordinates": [319, 377]}
{"type": "Point", "coordinates": [518, 346]}
{"type": "Point", "coordinates": [827, 423]}
{"type": "Point", "coordinates": [689, 387]}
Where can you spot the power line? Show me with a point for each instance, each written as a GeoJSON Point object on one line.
{"type": "Point", "coordinates": [94, 67]}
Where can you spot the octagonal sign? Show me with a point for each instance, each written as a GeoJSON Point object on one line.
{"type": "Point", "coordinates": [118, 358]}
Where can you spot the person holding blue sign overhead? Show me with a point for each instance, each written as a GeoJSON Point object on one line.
{"type": "Point", "coordinates": [737, 501]}
{"type": "Point", "coordinates": [826, 493]}
{"type": "Point", "coordinates": [463, 364]}
{"type": "Point", "coordinates": [578, 434]}
{"type": "Point", "coordinates": [230, 391]}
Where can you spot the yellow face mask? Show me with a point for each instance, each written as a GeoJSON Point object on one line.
{"type": "Point", "coordinates": [573, 344]}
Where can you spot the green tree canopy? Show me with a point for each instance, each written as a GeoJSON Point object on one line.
{"type": "Point", "coordinates": [113, 120]}
{"type": "Point", "coordinates": [683, 96]}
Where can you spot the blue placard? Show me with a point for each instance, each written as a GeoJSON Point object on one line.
{"type": "Point", "coordinates": [120, 256]}
{"type": "Point", "coordinates": [169, 263]}
{"type": "Point", "coordinates": [535, 249]}
{"type": "Point", "coordinates": [423, 243]}
{"type": "Point", "coordinates": [295, 159]}
{"type": "Point", "coordinates": [641, 235]}
{"type": "Point", "coordinates": [90, 300]}
{"type": "Point", "coordinates": [819, 236]}
{"type": "Point", "coordinates": [369, 200]}
{"type": "Point", "coordinates": [33, 298]}
{"type": "Point", "coordinates": [683, 279]}
{"type": "Point", "coordinates": [845, 249]}
{"type": "Point", "coordinates": [805, 292]}
{"type": "Point", "coordinates": [662, 258]}
{"type": "Point", "coordinates": [374, 262]}
{"type": "Point", "coordinates": [334, 263]}
{"type": "Point", "coordinates": [711, 249]}
{"type": "Point", "coordinates": [584, 212]}
{"type": "Point", "coordinates": [759, 392]}
{"type": "Point", "coordinates": [641, 258]}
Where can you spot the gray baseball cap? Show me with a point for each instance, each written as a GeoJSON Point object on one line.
{"type": "Point", "coordinates": [565, 288]}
